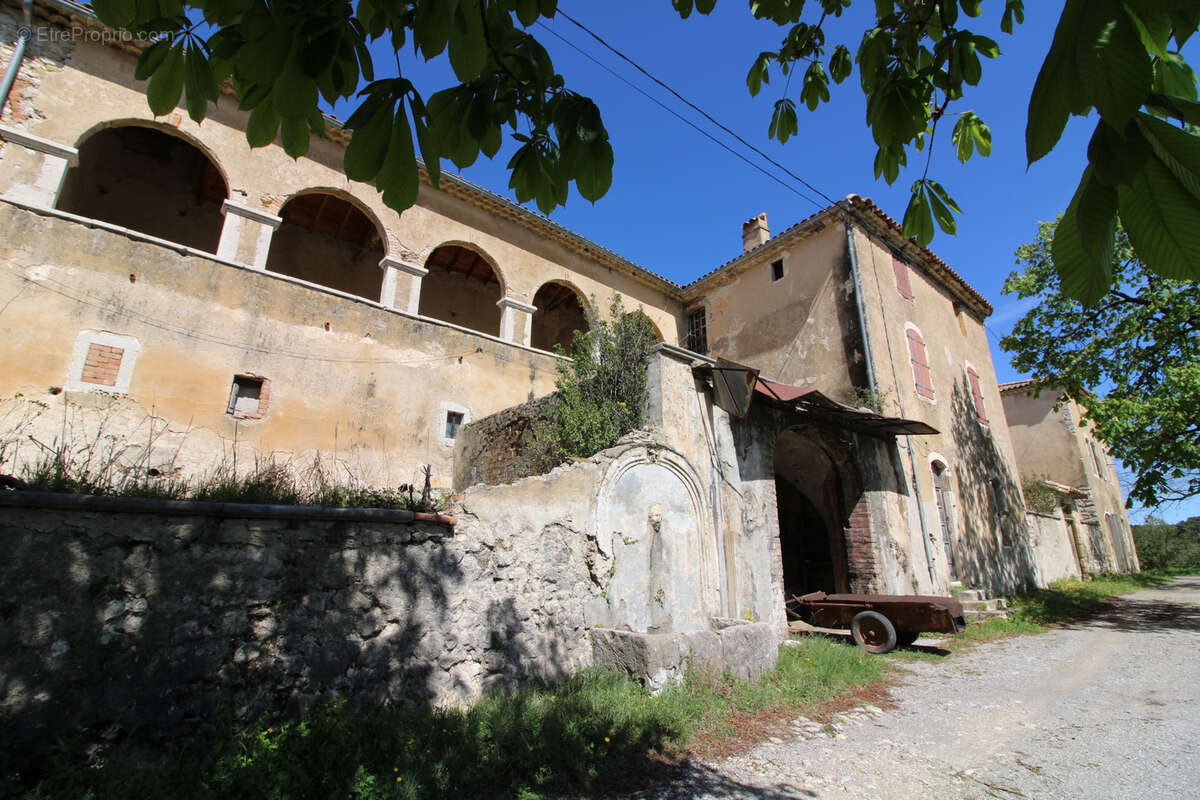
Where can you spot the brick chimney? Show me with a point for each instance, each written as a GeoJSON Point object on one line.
{"type": "Point", "coordinates": [755, 232]}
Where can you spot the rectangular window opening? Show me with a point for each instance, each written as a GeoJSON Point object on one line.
{"type": "Point", "coordinates": [247, 397]}
{"type": "Point", "coordinates": [454, 421]}
{"type": "Point", "coordinates": [777, 270]}
{"type": "Point", "coordinates": [697, 332]}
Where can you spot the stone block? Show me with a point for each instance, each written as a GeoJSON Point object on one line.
{"type": "Point", "coordinates": [750, 649]}
{"type": "Point", "coordinates": [702, 650]}
{"type": "Point", "coordinates": [638, 654]}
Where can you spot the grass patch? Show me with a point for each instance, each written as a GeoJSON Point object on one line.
{"type": "Point", "coordinates": [591, 731]}
{"type": "Point", "coordinates": [1063, 601]}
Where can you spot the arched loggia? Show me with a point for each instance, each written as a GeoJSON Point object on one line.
{"type": "Point", "coordinates": [560, 312]}
{"type": "Point", "coordinates": [150, 181]}
{"type": "Point", "coordinates": [462, 287]}
{"type": "Point", "coordinates": [327, 240]}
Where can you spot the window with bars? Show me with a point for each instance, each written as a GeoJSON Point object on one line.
{"type": "Point", "coordinates": [777, 270]}
{"type": "Point", "coordinates": [697, 331]}
{"type": "Point", "coordinates": [903, 283]}
{"type": "Point", "coordinates": [976, 394]}
{"type": "Point", "coordinates": [920, 363]}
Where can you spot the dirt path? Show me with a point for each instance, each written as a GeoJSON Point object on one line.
{"type": "Point", "coordinates": [1108, 708]}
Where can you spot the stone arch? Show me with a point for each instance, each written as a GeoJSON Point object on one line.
{"type": "Point", "coordinates": [655, 329]}
{"type": "Point", "coordinates": [331, 238]}
{"type": "Point", "coordinates": [462, 287]}
{"type": "Point", "coordinates": [832, 521]}
{"type": "Point", "coordinates": [151, 178]}
{"type": "Point", "coordinates": [652, 521]}
{"type": "Point", "coordinates": [561, 310]}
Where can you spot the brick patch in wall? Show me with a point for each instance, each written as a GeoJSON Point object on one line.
{"type": "Point", "coordinates": [102, 364]}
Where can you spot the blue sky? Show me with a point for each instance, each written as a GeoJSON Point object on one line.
{"type": "Point", "coordinates": [678, 200]}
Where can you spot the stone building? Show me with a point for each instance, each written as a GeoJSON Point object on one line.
{"type": "Point", "coordinates": [1055, 447]}
{"type": "Point", "coordinates": [185, 302]}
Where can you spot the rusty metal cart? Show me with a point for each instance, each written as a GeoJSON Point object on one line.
{"type": "Point", "coordinates": [879, 622]}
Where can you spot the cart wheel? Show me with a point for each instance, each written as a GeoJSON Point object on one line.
{"type": "Point", "coordinates": [873, 632]}
{"type": "Point", "coordinates": [905, 638]}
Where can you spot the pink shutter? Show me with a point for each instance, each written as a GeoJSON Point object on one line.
{"type": "Point", "coordinates": [920, 364]}
{"type": "Point", "coordinates": [902, 283]}
{"type": "Point", "coordinates": [976, 394]}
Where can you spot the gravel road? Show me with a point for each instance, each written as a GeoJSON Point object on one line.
{"type": "Point", "coordinates": [1108, 708]}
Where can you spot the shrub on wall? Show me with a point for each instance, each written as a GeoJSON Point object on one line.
{"type": "Point", "coordinates": [1039, 497]}
{"type": "Point", "coordinates": [602, 389]}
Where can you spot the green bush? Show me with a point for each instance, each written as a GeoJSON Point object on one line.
{"type": "Point", "coordinates": [602, 389]}
{"type": "Point", "coordinates": [577, 737]}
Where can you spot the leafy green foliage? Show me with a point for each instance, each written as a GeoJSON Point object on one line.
{"type": "Point", "coordinates": [602, 389]}
{"type": "Point", "coordinates": [1132, 359]}
{"type": "Point", "coordinates": [1119, 57]}
{"type": "Point", "coordinates": [1173, 548]}
{"type": "Point", "coordinates": [283, 58]}
{"type": "Point", "coordinates": [568, 739]}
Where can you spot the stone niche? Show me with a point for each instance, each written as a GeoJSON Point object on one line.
{"type": "Point", "coordinates": [660, 613]}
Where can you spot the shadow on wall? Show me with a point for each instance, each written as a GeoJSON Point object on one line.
{"type": "Point", "coordinates": [994, 550]}
{"type": "Point", "coordinates": [126, 629]}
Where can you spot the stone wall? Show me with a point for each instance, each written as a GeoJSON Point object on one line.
{"type": "Point", "coordinates": [122, 615]}
{"type": "Point", "coordinates": [500, 447]}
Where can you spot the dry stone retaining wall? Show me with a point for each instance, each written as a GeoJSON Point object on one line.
{"type": "Point", "coordinates": [144, 615]}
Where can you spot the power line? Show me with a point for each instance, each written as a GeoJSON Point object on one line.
{"type": "Point", "coordinates": [689, 103]}
{"type": "Point", "coordinates": [676, 114]}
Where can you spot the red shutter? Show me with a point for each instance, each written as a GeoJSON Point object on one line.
{"type": "Point", "coordinates": [920, 364]}
{"type": "Point", "coordinates": [902, 283]}
{"type": "Point", "coordinates": [976, 394]}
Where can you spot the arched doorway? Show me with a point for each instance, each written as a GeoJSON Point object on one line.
{"type": "Point", "coordinates": [559, 314]}
{"type": "Point", "coordinates": [149, 181]}
{"type": "Point", "coordinates": [327, 240]}
{"type": "Point", "coordinates": [462, 287]}
{"type": "Point", "coordinates": [809, 501]}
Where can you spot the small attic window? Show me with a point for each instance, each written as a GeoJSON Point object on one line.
{"type": "Point", "coordinates": [248, 397]}
{"type": "Point", "coordinates": [777, 270]}
{"type": "Point", "coordinates": [454, 421]}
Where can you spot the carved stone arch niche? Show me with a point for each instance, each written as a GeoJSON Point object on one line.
{"type": "Point", "coordinates": [652, 520]}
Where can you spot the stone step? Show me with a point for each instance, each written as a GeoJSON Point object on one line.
{"type": "Point", "coordinates": [968, 595]}
{"type": "Point", "coordinates": [984, 616]}
{"type": "Point", "coordinates": [994, 604]}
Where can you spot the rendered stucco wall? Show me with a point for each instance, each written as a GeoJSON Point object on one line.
{"type": "Point", "coordinates": [1058, 445]}
{"type": "Point", "coordinates": [800, 329]}
{"type": "Point", "coordinates": [989, 536]}
{"type": "Point", "coordinates": [347, 377]}
{"type": "Point", "coordinates": [1054, 548]}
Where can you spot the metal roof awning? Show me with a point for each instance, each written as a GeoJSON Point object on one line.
{"type": "Point", "coordinates": [735, 386]}
{"type": "Point", "coordinates": [856, 419]}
